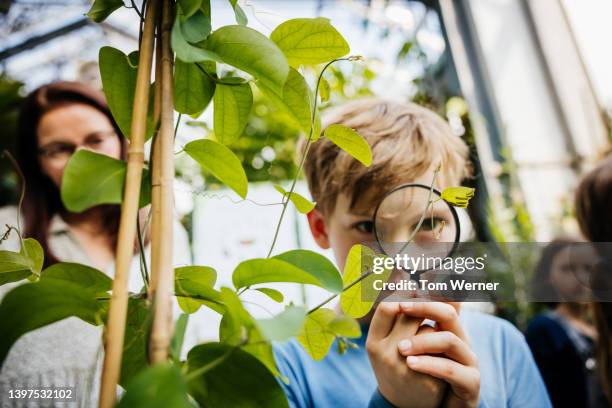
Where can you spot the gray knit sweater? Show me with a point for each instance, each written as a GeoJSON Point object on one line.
{"type": "Point", "coordinates": [68, 353]}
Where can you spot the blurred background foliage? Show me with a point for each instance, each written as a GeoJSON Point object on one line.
{"type": "Point", "coordinates": [269, 153]}
{"type": "Point", "coordinates": [10, 99]}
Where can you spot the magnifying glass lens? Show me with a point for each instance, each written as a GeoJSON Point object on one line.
{"type": "Point", "coordinates": [413, 219]}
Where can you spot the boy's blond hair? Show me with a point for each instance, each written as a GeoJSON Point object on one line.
{"type": "Point", "coordinates": [406, 140]}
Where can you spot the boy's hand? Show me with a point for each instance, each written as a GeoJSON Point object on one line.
{"type": "Point", "coordinates": [443, 353]}
{"type": "Point", "coordinates": [397, 382]}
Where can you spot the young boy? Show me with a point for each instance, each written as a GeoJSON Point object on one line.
{"type": "Point", "coordinates": [470, 359]}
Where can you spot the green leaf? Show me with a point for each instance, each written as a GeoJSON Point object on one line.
{"type": "Point", "coordinates": [231, 377]}
{"type": "Point", "coordinates": [321, 328]}
{"type": "Point", "coordinates": [195, 275]}
{"type": "Point", "coordinates": [14, 261]}
{"type": "Point", "coordinates": [260, 270]}
{"type": "Point", "coordinates": [193, 89]}
{"type": "Point", "coordinates": [309, 41]}
{"type": "Point", "coordinates": [241, 17]}
{"type": "Point", "coordinates": [188, 305]}
{"type": "Point", "coordinates": [33, 305]}
{"type": "Point", "coordinates": [13, 276]}
{"type": "Point", "coordinates": [350, 141]}
{"type": "Point", "coordinates": [359, 261]}
{"type": "Point", "coordinates": [15, 266]}
{"type": "Point", "coordinates": [250, 51]}
{"type": "Point", "coordinates": [261, 349]}
{"type": "Point", "coordinates": [189, 7]}
{"type": "Point", "coordinates": [32, 250]}
{"type": "Point", "coordinates": [315, 337]}
{"type": "Point", "coordinates": [221, 162]}
{"type": "Point", "coordinates": [237, 321]}
{"type": "Point", "coordinates": [133, 58]}
{"type": "Point", "coordinates": [135, 355]}
{"type": "Point", "coordinates": [158, 386]}
{"type": "Point", "coordinates": [195, 281]}
{"type": "Point", "coordinates": [119, 84]}
{"type": "Point", "coordinates": [324, 90]}
{"type": "Point", "coordinates": [101, 9]}
{"type": "Point", "coordinates": [345, 326]}
{"type": "Point", "coordinates": [232, 105]}
{"type": "Point", "coordinates": [273, 294]}
{"type": "Point", "coordinates": [83, 275]}
{"type": "Point", "coordinates": [296, 100]}
{"type": "Point", "coordinates": [315, 264]}
{"type": "Point", "coordinates": [92, 179]}
{"type": "Point", "coordinates": [283, 326]}
{"type": "Point", "coordinates": [185, 51]}
{"type": "Point", "coordinates": [180, 327]}
{"type": "Point", "coordinates": [238, 328]}
{"type": "Point", "coordinates": [196, 28]}
{"type": "Point", "coordinates": [301, 203]}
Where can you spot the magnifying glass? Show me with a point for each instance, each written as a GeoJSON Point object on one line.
{"type": "Point", "coordinates": [413, 220]}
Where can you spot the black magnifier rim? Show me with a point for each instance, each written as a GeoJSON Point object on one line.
{"type": "Point", "coordinates": [407, 185]}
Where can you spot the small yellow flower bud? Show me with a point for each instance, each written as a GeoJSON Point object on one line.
{"type": "Point", "coordinates": [458, 196]}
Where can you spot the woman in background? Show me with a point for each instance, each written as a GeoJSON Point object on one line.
{"type": "Point", "coordinates": [55, 121]}
{"type": "Point", "coordinates": [562, 340]}
{"type": "Point", "coordinates": [594, 214]}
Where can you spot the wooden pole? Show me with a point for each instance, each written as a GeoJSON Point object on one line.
{"type": "Point", "coordinates": [155, 159]}
{"type": "Point", "coordinates": [117, 313]}
{"type": "Point", "coordinates": [161, 333]}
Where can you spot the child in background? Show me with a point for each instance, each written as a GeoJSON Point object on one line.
{"type": "Point", "coordinates": [563, 339]}
{"type": "Point", "coordinates": [471, 359]}
{"type": "Point", "coordinates": [594, 214]}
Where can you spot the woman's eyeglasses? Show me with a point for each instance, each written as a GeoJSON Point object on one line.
{"type": "Point", "coordinates": [62, 151]}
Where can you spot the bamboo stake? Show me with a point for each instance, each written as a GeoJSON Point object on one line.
{"type": "Point", "coordinates": [117, 313]}
{"type": "Point", "coordinates": [161, 333]}
{"type": "Point", "coordinates": [155, 168]}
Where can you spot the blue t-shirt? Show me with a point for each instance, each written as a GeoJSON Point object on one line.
{"type": "Point", "coordinates": [508, 374]}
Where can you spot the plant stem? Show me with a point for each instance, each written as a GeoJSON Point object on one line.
{"type": "Point", "coordinates": [21, 195]}
{"type": "Point", "coordinates": [288, 195]}
{"type": "Point", "coordinates": [304, 154]}
{"type": "Point", "coordinates": [136, 9]}
{"type": "Point", "coordinates": [161, 334]}
{"type": "Point", "coordinates": [332, 297]}
{"type": "Point", "coordinates": [142, 21]}
{"type": "Point", "coordinates": [218, 80]}
{"type": "Point", "coordinates": [141, 249]}
{"type": "Point", "coordinates": [117, 313]}
{"type": "Point", "coordinates": [178, 122]}
{"type": "Point", "coordinates": [424, 214]}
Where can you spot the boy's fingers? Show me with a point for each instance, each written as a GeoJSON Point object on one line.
{"type": "Point", "coordinates": [383, 320]}
{"type": "Point", "coordinates": [442, 342]}
{"type": "Point", "coordinates": [444, 314]}
{"type": "Point", "coordinates": [464, 380]}
{"type": "Point", "coordinates": [405, 327]}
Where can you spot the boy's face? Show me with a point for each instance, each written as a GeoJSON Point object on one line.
{"type": "Point", "coordinates": [346, 226]}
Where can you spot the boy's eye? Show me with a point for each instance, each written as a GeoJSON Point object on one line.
{"type": "Point", "coordinates": [432, 224]}
{"type": "Point", "coordinates": [367, 227]}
